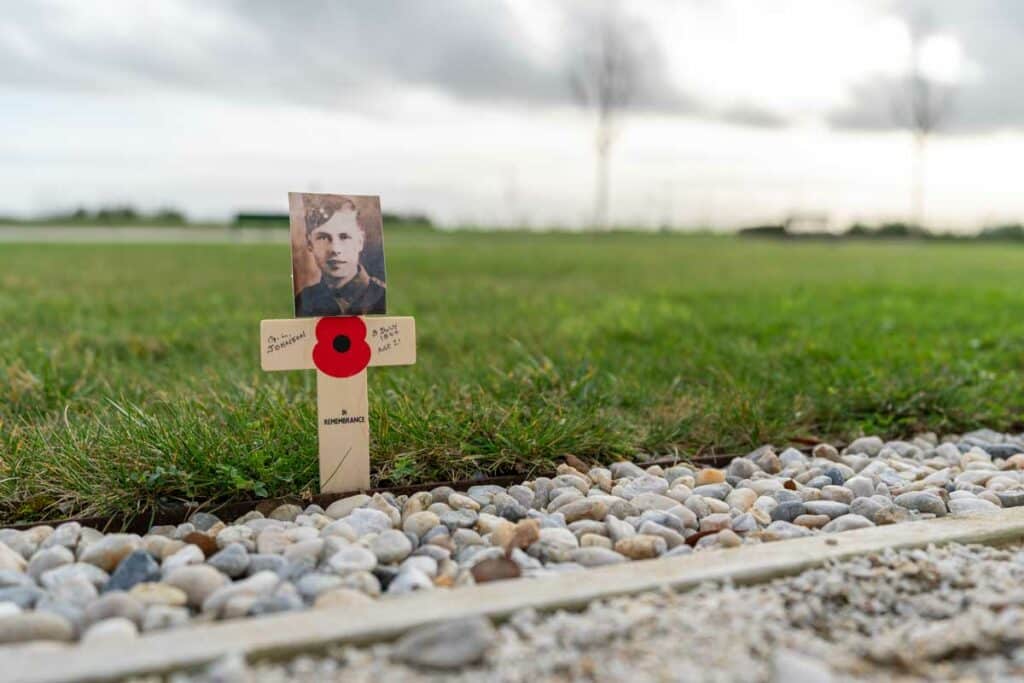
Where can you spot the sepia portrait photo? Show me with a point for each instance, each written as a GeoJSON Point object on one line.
{"type": "Point", "coordinates": [337, 254]}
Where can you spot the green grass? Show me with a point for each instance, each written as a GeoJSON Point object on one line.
{"type": "Point", "coordinates": [129, 374]}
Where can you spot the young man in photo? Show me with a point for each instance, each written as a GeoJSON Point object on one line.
{"type": "Point", "coordinates": [336, 237]}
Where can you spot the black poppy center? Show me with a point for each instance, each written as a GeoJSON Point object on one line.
{"type": "Point", "coordinates": [342, 343]}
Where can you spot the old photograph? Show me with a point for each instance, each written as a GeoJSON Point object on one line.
{"type": "Point", "coordinates": [337, 254]}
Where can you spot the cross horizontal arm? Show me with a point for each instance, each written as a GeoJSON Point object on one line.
{"type": "Point", "coordinates": [287, 344]}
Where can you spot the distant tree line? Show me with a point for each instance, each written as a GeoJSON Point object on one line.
{"type": "Point", "coordinates": [125, 214]}
{"type": "Point", "coordinates": [117, 214]}
{"type": "Point", "coordinates": [1013, 232]}
{"type": "Point", "coordinates": [278, 220]}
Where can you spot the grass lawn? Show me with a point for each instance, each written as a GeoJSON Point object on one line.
{"type": "Point", "coordinates": [130, 373]}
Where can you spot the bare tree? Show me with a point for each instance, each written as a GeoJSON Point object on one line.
{"type": "Point", "coordinates": [605, 83]}
{"type": "Point", "coordinates": [923, 106]}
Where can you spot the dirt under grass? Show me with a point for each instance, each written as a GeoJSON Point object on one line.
{"type": "Point", "coordinates": [129, 374]}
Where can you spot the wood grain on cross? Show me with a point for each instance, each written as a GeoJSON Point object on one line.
{"type": "Point", "coordinates": [342, 409]}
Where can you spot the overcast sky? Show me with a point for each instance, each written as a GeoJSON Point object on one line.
{"type": "Point", "coordinates": [746, 110]}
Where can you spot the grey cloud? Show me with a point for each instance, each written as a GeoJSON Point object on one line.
{"type": "Point", "coordinates": [468, 49]}
{"type": "Point", "coordinates": [335, 54]}
{"type": "Point", "coordinates": [874, 105]}
{"type": "Point", "coordinates": [346, 55]}
{"type": "Point", "coordinates": [990, 32]}
{"type": "Point", "coordinates": [356, 54]}
{"type": "Point", "coordinates": [755, 117]}
{"type": "Point", "coordinates": [307, 51]}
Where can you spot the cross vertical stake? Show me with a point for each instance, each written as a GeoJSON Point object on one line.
{"type": "Point", "coordinates": [343, 419]}
{"type": "Point", "coordinates": [344, 446]}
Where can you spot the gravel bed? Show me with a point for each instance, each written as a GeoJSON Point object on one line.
{"type": "Point", "coordinates": [948, 613]}
{"type": "Point", "coordinates": [72, 582]}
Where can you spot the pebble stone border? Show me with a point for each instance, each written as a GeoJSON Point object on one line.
{"type": "Point", "coordinates": [434, 623]}
{"type": "Point", "coordinates": [72, 582]}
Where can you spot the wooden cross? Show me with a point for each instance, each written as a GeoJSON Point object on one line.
{"type": "Point", "coordinates": [332, 346]}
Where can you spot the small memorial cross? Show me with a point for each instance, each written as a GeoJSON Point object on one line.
{"type": "Point", "coordinates": [338, 276]}
{"type": "Point", "coordinates": [340, 349]}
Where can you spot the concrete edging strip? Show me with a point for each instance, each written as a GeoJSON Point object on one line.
{"type": "Point", "coordinates": [389, 618]}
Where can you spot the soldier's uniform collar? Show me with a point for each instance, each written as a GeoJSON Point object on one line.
{"type": "Point", "coordinates": [351, 290]}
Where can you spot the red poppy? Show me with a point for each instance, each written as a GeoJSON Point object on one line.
{"type": "Point", "coordinates": [341, 349]}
